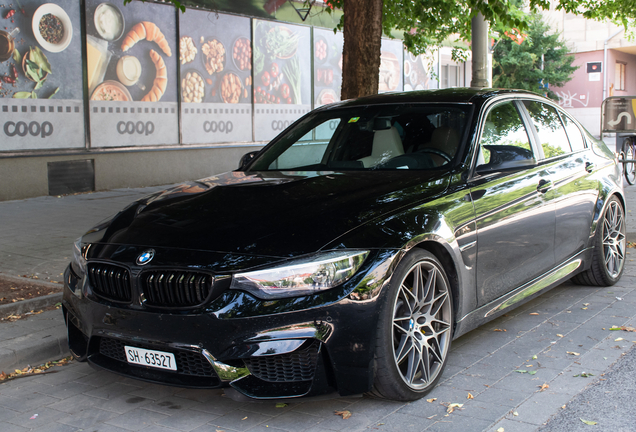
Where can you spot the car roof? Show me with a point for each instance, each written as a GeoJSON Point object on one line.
{"type": "Point", "coordinates": [450, 95]}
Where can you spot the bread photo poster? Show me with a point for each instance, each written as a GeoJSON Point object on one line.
{"type": "Point", "coordinates": [132, 57]}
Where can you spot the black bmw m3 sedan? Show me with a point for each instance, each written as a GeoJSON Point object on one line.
{"type": "Point", "coordinates": [347, 255]}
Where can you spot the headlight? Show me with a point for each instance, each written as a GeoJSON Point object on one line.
{"type": "Point", "coordinates": [301, 277]}
{"type": "Point", "coordinates": [78, 263]}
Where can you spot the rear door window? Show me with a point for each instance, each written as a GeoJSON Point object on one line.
{"type": "Point", "coordinates": [574, 133]}
{"type": "Point", "coordinates": [554, 141]}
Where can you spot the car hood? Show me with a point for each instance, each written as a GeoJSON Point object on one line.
{"type": "Point", "coordinates": [275, 214]}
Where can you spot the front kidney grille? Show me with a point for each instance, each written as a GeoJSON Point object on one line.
{"type": "Point", "coordinates": [299, 365]}
{"type": "Point", "coordinates": [110, 281]}
{"type": "Point", "coordinates": [188, 362]}
{"type": "Point", "coordinates": [173, 288]}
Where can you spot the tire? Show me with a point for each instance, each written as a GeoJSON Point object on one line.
{"type": "Point", "coordinates": [608, 259]}
{"type": "Point", "coordinates": [414, 330]}
{"type": "Point", "coordinates": [629, 168]}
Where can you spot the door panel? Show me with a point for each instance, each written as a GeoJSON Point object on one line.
{"type": "Point", "coordinates": [574, 196]}
{"type": "Point", "coordinates": [515, 221]}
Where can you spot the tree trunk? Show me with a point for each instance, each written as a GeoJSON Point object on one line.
{"type": "Point", "coordinates": [361, 51]}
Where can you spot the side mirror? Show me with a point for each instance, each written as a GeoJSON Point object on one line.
{"type": "Point", "coordinates": [506, 165]}
{"type": "Point", "coordinates": [507, 157]}
{"type": "Point", "coordinates": [246, 159]}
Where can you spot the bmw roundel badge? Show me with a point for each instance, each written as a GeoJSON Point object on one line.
{"type": "Point", "coordinates": [145, 257]}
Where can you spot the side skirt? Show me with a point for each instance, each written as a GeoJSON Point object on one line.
{"type": "Point", "coordinates": [523, 294]}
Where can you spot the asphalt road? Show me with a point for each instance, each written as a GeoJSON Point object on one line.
{"type": "Point", "coordinates": [610, 402]}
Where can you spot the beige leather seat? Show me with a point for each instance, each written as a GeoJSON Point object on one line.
{"type": "Point", "coordinates": [387, 144]}
{"type": "Point", "coordinates": [444, 139]}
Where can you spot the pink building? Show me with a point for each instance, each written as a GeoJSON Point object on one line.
{"type": "Point", "coordinates": [607, 66]}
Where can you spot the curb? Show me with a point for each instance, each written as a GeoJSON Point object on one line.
{"type": "Point", "coordinates": [23, 306]}
{"type": "Point", "coordinates": [35, 348]}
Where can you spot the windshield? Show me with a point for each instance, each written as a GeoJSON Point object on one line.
{"type": "Point", "coordinates": [387, 137]}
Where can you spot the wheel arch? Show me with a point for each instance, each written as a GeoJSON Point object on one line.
{"type": "Point", "coordinates": [450, 268]}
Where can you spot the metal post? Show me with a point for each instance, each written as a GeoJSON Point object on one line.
{"type": "Point", "coordinates": [479, 46]}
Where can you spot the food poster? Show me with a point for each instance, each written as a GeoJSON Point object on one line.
{"type": "Point", "coordinates": [418, 71]}
{"type": "Point", "coordinates": [327, 66]}
{"type": "Point", "coordinates": [215, 54]}
{"type": "Point", "coordinates": [132, 56]}
{"type": "Point", "coordinates": [390, 66]}
{"type": "Point", "coordinates": [282, 76]}
{"type": "Point", "coordinates": [41, 68]}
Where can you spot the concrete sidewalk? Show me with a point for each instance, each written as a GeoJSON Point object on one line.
{"type": "Point", "coordinates": [36, 241]}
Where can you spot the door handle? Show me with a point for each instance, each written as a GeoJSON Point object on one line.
{"type": "Point", "coordinates": [544, 186]}
{"type": "Point", "coordinates": [589, 167]}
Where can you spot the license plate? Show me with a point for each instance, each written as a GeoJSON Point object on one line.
{"type": "Point", "coordinates": [156, 359]}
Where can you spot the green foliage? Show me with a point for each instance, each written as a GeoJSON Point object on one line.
{"type": "Point", "coordinates": [519, 66]}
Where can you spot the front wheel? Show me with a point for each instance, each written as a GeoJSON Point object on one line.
{"type": "Point", "coordinates": [415, 329]}
{"type": "Point", "coordinates": [629, 168]}
{"type": "Point", "coordinates": [608, 259]}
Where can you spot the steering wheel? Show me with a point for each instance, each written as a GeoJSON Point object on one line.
{"type": "Point", "coordinates": [437, 152]}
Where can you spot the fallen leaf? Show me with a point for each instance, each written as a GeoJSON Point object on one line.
{"type": "Point", "coordinates": [528, 365]}
{"type": "Point", "coordinates": [588, 422]}
{"type": "Point", "coordinates": [618, 339]}
{"type": "Point", "coordinates": [431, 400]}
{"type": "Point", "coordinates": [586, 304]}
{"type": "Point", "coordinates": [532, 372]}
{"type": "Point", "coordinates": [534, 357]}
{"type": "Point", "coordinates": [470, 396]}
{"type": "Point", "coordinates": [562, 406]}
{"type": "Point", "coordinates": [520, 371]}
{"type": "Point", "coordinates": [515, 413]}
{"type": "Point", "coordinates": [431, 416]}
{"type": "Point", "coordinates": [534, 313]}
{"type": "Point", "coordinates": [345, 414]}
{"type": "Point", "coordinates": [244, 418]}
{"type": "Point", "coordinates": [500, 330]}
{"type": "Point", "coordinates": [451, 407]}
{"type": "Point", "coordinates": [559, 335]}
{"type": "Point", "coordinates": [584, 308]}
{"type": "Point", "coordinates": [573, 353]}
{"type": "Point", "coordinates": [281, 405]}
{"type": "Point", "coordinates": [543, 387]}
{"type": "Point", "coordinates": [500, 429]}
{"type": "Point", "coordinates": [583, 375]}
{"type": "Point", "coordinates": [220, 430]}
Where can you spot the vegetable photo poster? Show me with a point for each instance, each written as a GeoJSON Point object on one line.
{"type": "Point", "coordinates": [132, 73]}
{"type": "Point", "coordinates": [41, 76]}
{"type": "Point", "coordinates": [215, 54]}
{"type": "Point", "coordinates": [327, 66]}
{"type": "Point", "coordinates": [390, 66]}
{"type": "Point", "coordinates": [282, 76]}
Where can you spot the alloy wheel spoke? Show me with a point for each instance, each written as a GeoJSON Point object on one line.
{"type": "Point", "coordinates": [415, 358]}
{"type": "Point", "coordinates": [408, 297]}
{"type": "Point", "coordinates": [406, 346]}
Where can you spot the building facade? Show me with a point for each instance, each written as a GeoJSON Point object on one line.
{"type": "Point", "coordinates": [606, 61]}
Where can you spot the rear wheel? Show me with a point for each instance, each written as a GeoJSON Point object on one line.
{"type": "Point", "coordinates": [415, 329]}
{"type": "Point", "coordinates": [608, 260]}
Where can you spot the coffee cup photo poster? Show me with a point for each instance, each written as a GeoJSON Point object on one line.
{"type": "Point", "coordinates": [41, 95]}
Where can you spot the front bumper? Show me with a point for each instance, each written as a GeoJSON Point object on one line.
{"type": "Point", "coordinates": [303, 352]}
